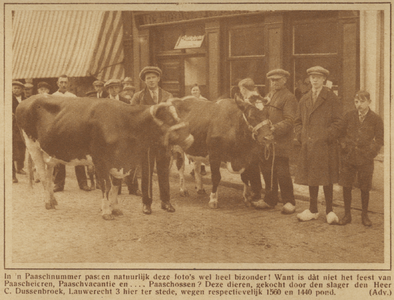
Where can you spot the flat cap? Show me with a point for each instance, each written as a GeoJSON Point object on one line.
{"type": "Point", "coordinates": [113, 82]}
{"type": "Point", "coordinates": [98, 82]}
{"type": "Point", "coordinates": [149, 69]}
{"type": "Point", "coordinates": [28, 86]}
{"type": "Point", "coordinates": [127, 80]}
{"type": "Point", "coordinates": [43, 84]}
{"type": "Point", "coordinates": [277, 73]}
{"type": "Point", "coordinates": [129, 88]}
{"type": "Point", "coordinates": [15, 82]}
{"type": "Point", "coordinates": [317, 70]}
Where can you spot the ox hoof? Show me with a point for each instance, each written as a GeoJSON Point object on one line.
{"type": "Point", "coordinates": [117, 212]}
{"type": "Point", "coordinates": [50, 205]}
{"type": "Point", "coordinates": [213, 204]}
{"type": "Point", "coordinates": [108, 217]}
{"type": "Point", "coordinates": [201, 192]}
{"type": "Point", "coordinates": [184, 193]}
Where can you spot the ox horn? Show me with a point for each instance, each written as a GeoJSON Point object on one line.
{"type": "Point", "coordinates": [230, 169]}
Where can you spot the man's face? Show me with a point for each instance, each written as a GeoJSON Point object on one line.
{"type": "Point", "coordinates": [62, 83]}
{"type": "Point", "coordinates": [278, 83]}
{"type": "Point", "coordinates": [362, 104]}
{"type": "Point", "coordinates": [317, 81]}
{"type": "Point", "coordinates": [28, 92]}
{"type": "Point", "coordinates": [98, 88]}
{"type": "Point", "coordinates": [43, 90]}
{"type": "Point", "coordinates": [152, 80]}
{"type": "Point", "coordinates": [114, 90]}
{"type": "Point", "coordinates": [17, 90]}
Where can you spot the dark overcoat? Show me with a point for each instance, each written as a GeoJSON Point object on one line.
{"type": "Point", "coordinates": [282, 111]}
{"type": "Point", "coordinates": [16, 135]}
{"type": "Point", "coordinates": [144, 97]}
{"type": "Point", "coordinates": [317, 129]}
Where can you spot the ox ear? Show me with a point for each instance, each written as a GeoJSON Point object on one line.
{"type": "Point", "coordinates": [240, 103]}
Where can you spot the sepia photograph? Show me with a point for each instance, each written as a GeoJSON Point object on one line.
{"type": "Point", "coordinates": [207, 150]}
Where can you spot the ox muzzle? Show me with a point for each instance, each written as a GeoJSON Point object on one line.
{"type": "Point", "coordinates": [172, 136]}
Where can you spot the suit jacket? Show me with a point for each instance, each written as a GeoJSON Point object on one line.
{"type": "Point", "coordinates": [16, 136]}
{"type": "Point", "coordinates": [282, 111]}
{"type": "Point", "coordinates": [104, 94]}
{"type": "Point", "coordinates": [360, 142]}
{"type": "Point", "coordinates": [143, 97]}
{"type": "Point", "coordinates": [317, 129]}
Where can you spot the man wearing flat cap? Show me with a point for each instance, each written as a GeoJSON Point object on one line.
{"type": "Point", "coordinates": [128, 89]}
{"type": "Point", "coordinates": [99, 88]}
{"type": "Point", "coordinates": [43, 88]}
{"type": "Point", "coordinates": [18, 146]}
{"type": "Point", "coordinates": [317, 128]}
{"type": "Point", "coordinates": [114, 87]}
{"type": "Point", "coordinates": [281, 107]}
{"type": "Point", "coordinates": [28, 90]}
{"type": "Point", "coordinates": [152, 94]}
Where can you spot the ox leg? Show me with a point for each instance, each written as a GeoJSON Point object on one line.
{"type": "Point", "coordinates": [106, 210]}
{"type": "Point", "coordinates": [216, 177]}
{"type": "Point", "coordinates": [198, 178]}
{"type": "Point", "coordinates": [113, 196]}
{"type": "Point", "coordinates": [180, 164]}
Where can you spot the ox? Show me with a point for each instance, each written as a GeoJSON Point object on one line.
{"type": "Point", "coordinates": [115, 135]}
{"type": "Point", "coordinates": [226, 131]}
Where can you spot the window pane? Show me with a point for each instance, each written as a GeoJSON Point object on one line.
{"type": "Point", "coordinates": [329, 63]}
{"type": "Point", "coordinates": [316, 38]}
{"type": "Point", "coordinates": [247, 41]}
{"type": "Point", "coordinates": [247, 68]}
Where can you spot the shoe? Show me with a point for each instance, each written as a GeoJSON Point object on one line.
{"type": "Point", "coordinates": [15, 180]}
{"type": "Point", "coordinates": [307, 215]}
{"type": "Point", "coordinates": [21, 171]}
{"type": "Point", "coordinates": [261, 204]}
{"type": "Point", "coordinates": [288, 208]}
{"type": "Point", "coordinates": [167, 206]}
{"type": "Point", "coordinates": [345, 220]}
{"type": "Point", "coordinates": [146, 209]}
{"type": "Point", "coordinates": [203, 172]}
{"type": "Point", "coordinates": [136, 193]}
{"type": "Point", "coordinates": [365, 220]}
{"type": "Point", "coordinates": [85, 188]}
{"type": "Point", "coordinates": [58, 188]}
{"type": "Point", "coordinates": [332, 218]}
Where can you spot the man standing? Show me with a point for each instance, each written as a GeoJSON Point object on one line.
{"type": "Point", "coordinates": [114, 87]}
{"type": "Point", "coordinates": [317, 129]}
{"type": "Point", "coordinates": [281, 107]}
{"type": "Point", "coordinates": [18, 145]}
{"type": "Point", "coordinates": [128, 89]}
{"type": "Point", "coordinates": [28, 90]}
{"type": "Point", "coordinates": [99, 88]}
{"type": "Point", "coordinates": [60, 169]}
{"type": "Point", "coordinates": [152, 94]}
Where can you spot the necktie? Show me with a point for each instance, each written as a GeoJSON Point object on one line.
{"type": "Point", "coordinates": [362, 117]}
{"type": "Point", "coordinates": [154, 97]}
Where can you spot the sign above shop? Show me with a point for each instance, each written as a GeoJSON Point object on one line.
{"type": "Point", "coordinates": [189, 41]}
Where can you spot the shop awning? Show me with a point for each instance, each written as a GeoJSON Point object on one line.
{"type": "Point", "coordinates": [75, 43]}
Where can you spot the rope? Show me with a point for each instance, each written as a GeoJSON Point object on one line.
{"type": "Point", "coordinates": [266, 157]}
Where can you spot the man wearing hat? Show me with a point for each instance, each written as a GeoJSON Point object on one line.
{"type": "Point", "coordinates": [151, 95]}
{"type": "Point", "coordinates": [128, 89]}
{"type": "Point", "coordinates": [99, 88]}
{"type": "Point", "coordinates": [18, 145]}
{"type": "Point", "coordinates": [317, 129]}
{"type": "Point", "coordinates": [28, 90]}
{"type": "Point", "coordinates": [43, 88]}
{"type": "Point", "coordinates": [60, 169]}
{"type": "Point", "coordinates": [114, 87]}
{"type": "Point", "coordinates": [281, 108]}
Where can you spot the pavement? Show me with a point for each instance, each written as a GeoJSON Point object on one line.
{"type": "Point", "coordinates": [301, 192]}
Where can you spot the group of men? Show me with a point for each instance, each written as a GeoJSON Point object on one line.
{"type": "Point", "coordinates": [316, 121]}
{"type": "Point", "coordinates": [334, 148]}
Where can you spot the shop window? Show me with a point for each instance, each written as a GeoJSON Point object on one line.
{"type": "Point", "coordinates": [319, 38]}
{"type": "Point", "coordinates": [246, 54]}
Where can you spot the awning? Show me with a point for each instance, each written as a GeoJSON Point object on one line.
{"type": "Point", "coordinates": [75, 43]}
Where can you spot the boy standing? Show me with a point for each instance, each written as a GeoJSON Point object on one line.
{"type": "Point", "coordinates": [361, 138]}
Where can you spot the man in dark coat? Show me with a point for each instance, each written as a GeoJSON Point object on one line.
{"type": "Point", "coordinates": [114, 87]}
{"type": "Point", "coordinates": [361, 137]}
{"type": "Point", "coordinates": [18, 145]}
{"type": "Point", "coordinates": [152, 94]}
{"type": "Point", "coordinates": [317, 129]}
{"type": "Point", "coordinates": [99, 90]}
{"type": "Point", "coordinates": [281, 107]}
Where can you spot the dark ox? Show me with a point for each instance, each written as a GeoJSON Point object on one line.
{"type": "Point", "coordinates": [114, 134]}
{"type": "Point", "coordinates": [229, 131]}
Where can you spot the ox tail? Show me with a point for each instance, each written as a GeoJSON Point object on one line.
{"type": "Point", "coordinates": [230, 169]}
{"type": "Point", "coordinates": [30, 170]}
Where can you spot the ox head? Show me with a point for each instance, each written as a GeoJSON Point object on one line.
{"type": "Point", "coordinates": [176, 132]}
{"type": "Point", "coordinates": [256, 121]}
